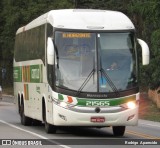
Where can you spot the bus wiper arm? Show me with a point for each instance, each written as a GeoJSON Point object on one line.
{"type": "Point", "coordinates": [109, 81]}
{"type": "Point", "coordinates": [86, 81]}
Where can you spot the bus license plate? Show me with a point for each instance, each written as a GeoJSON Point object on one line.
{"type": "Point", "coordinates": [97, 119]}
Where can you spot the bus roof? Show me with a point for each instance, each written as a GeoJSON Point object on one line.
{"type": "Point", "coordinates": [82, 19]}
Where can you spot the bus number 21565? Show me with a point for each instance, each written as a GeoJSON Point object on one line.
{"type": "Point", "coordinates": [97, 103]}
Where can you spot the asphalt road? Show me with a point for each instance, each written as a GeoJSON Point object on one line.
{"type": "Point", "coordinates": [11, 128]}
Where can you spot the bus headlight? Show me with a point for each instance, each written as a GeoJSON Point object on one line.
{"type": "Point", "coordinates": [65, 105]}
{"type": "Point", "coordinates": [62, 103]}
{"type": "Point", "coordinates": [130, 105]}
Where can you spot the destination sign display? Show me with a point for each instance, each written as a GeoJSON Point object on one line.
{"type": "Point", "coordinates": [76, 35]}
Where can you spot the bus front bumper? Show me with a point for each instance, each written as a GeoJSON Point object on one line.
{"type": "Point", "coordinates": [66, 117]}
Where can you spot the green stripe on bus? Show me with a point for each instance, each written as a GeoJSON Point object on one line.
{"type": "Point", "coordinates": [29, 73]}
{"type": "Point", "coordinates": [105, 102]}
{"type": "Point", "coordinates": [26, 91]}
{"type": "Point", "coordinates": [36, 73]}
{"type": "Point", "coordinates": [101, 102]}
{"type": "Point", "coordinates": [17, 74]}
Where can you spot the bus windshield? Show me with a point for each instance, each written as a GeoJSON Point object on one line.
{"type": "Point", "coordinates": [95, 62]}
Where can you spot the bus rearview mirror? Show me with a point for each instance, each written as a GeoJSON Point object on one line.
{"type": "Point", "coordinates": [145, 52]}
{"type": "Point", "coordinates": [50, 51]}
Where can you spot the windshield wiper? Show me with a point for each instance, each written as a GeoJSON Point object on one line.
{"type": "Point", "coordinates": [86, 81]}
{"type": "Point", "coordinates": [102, 71]}
{"type": "Point", "coordinates": [109, 81]}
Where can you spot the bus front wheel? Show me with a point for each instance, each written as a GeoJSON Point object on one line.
{"type": "Point", "coordinates": [118, 130]}
{"type": "Point", "coordinates": [48, 127]}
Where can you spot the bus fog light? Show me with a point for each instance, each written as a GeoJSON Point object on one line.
{"type": "Point", "coordinates": [131, 105]}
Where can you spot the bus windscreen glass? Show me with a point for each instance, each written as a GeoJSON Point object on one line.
{"type": "Point", "coordinates": [95, 62]}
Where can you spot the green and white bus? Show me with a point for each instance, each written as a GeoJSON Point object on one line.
{"type": "Point", "coordinates": [78, 67]}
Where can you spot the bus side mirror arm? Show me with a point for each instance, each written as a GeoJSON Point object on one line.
{"type": "Point", "coordinates": [50, 51]}
{"type": "Point", "coordinates": [145, 52]}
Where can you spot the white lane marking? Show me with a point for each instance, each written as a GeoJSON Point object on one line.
{"type": "Point", "coordinates": [40, 136]}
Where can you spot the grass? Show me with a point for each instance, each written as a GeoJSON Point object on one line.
{"type": "Point", "coordinates": [7, 90]}
{"type": "Point", "coordinates": [148, 110]}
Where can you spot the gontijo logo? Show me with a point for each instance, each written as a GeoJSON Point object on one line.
{"type": "Point", "coordinates": [35, 73]}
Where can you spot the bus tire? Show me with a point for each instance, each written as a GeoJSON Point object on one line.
{"type": "Point", "coordinates": [36, 122]}
{"type": "Point", "coordinates": [19, 107]}
{"type": "Point", "coordinates": [24, 119]}
{"type": "Point", "coordinates": [48, 127]}
{"type": "Point", "coordinates": [118, 130]}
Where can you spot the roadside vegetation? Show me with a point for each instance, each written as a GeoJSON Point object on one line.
{"type": "Point", "coordinates": [147, 109]}
{"type": "Point", "coordinates": [8, 91]}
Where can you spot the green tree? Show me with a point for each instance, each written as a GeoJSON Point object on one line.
{"type": "Point", "coordinates": [15, 14]}
{"type": "Point", "coordinates": [149, 14]}
{"type": "Point", "coordinates": [145, 15]}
